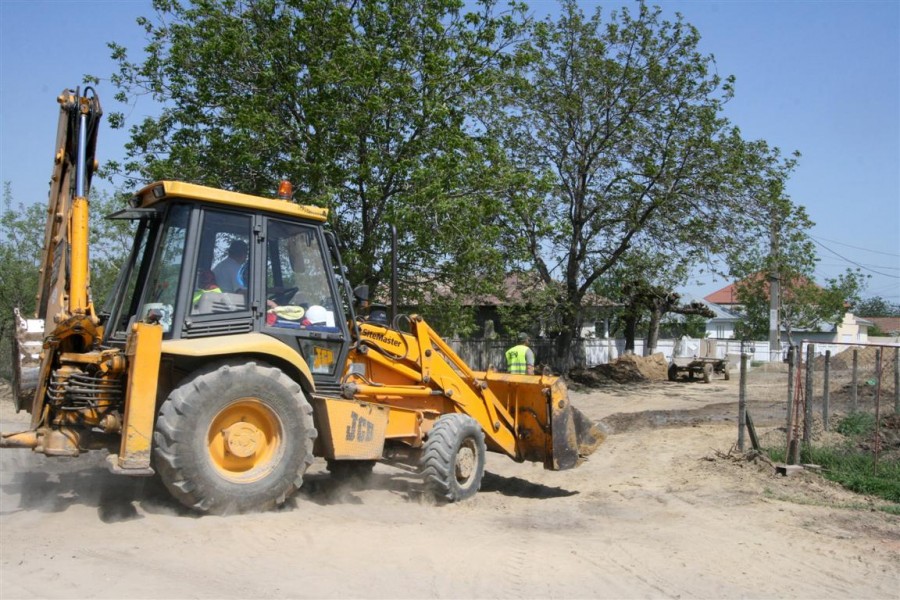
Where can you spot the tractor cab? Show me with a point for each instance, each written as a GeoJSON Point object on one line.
{"type": "Point", "coordinates": [211, 263]}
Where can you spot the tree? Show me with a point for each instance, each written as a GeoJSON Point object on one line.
{"type": "Point", "coordinates": [366, 106]}
{"type": "Point", "coordinates": [804, 304]}
{"type": "Point", "coordinates": [788, 255]}
{"type": "Point", "coordinates": [21, 240]}
{"type": "Point", "coordinates": [21, 248]}
{"type": "Point", "coordinates": [619, 120]}
{"type": "Point", "coordinates": [877, 306]}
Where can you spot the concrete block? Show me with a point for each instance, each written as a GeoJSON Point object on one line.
{"type": "Point", "coordinates": [788, 470]}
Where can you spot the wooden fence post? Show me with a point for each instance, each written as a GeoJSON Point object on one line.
{"type": "Point", "coordinates": [854, 391]}
{"type": "Point", "coordinates": [789, 438]}
{"type": "Point", "coordinates": [808, 394]}
{"type": "Point", "coordinates": [742, 402]}
{"type": "Point", "coordinates": [825, 389]}
{"type": "Point", "coordinates": [897, 381]}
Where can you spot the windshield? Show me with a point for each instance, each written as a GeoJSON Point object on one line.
{"type": "Point", "coordinates": [122, 302]}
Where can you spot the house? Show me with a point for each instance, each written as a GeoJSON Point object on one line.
{"type": "Point", "coordinates": [522, 293]}
{"type": "Point", "coordinates": [726, 298]}
{"type": "Point", "coordinates": [723, 325]}
{"type": "Point", "coordinates": [850, 329]}
{"type": "Point", "coordinates": [888, 326]}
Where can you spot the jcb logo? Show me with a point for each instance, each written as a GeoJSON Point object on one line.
{"type": "Point", "coordinates": [360, 429]}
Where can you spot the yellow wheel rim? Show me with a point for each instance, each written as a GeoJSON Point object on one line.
{"type": "Point", "coordinates": [245, 441]}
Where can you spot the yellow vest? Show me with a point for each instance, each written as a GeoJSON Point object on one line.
{"type": "Point", "coordinates": [517, 359]}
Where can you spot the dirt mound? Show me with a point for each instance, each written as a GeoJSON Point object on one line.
{"type": "Point", "coordinates": [625, 369]}
{"type": "Point", "coordinates": [865, 359]}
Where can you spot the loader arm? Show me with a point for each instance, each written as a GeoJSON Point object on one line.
{"type": "Point", "coordinates": [526, 417]}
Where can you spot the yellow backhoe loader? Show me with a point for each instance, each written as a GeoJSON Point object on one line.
{"type": "Point", "coordinates": [230, 354]}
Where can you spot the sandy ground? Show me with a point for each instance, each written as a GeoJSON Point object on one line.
{"type": "Point", "coordinates": [662, 510]}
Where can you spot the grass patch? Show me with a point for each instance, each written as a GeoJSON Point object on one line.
{"type": "Point", "coordinates": [857, 424]}
{"type": "Point", "coordinates": [857, 471]}
{"type": "Point", "coordinates": [852, 466]}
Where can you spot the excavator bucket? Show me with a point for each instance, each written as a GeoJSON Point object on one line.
{"type": "Point", "coordinates": [26, 353]}
{"type": "Point", "coordinates": [548, 428]}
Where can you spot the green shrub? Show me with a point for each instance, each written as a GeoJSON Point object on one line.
{"type": "Point", "coordinates": [857, 424]}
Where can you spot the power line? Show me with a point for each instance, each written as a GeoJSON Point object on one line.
{"type": "Point", "coordinates": [853, 262]}
{"type": "Point", "coordinates": [854, 247]}
{"type": "Point", "coordinates": [831, 264]}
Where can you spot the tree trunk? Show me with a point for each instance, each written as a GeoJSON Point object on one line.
{"type": "Point", "coordinates": [565, 351]}
{"type": "Point", "coordinates": [630, 331]}
{"type": "Point", "coordinates": [653, 331]}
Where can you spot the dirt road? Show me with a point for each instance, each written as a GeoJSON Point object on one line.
{"type": "Point", "coordinates": [660, 511]}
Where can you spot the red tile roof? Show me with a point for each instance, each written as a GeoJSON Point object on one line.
{"type": "Point", "coordinates": [889, 325]}
{"type": "Point", "coordinates": [727, 295]}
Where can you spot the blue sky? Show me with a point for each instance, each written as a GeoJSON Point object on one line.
{"type": "Point", "coordinates": [820, 77]}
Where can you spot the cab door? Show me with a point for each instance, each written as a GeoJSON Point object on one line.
{"type": "Point", "coordinates": [303, 307]}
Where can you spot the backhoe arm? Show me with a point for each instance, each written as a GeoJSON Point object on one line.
{"type": "Point", "coordinates": [64, 287]}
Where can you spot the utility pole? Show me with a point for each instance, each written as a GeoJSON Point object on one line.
{"type": "Point", "coordinates": [774, 290]}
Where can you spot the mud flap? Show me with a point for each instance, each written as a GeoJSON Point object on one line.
{"type": "Point", "coordinates": [573, 434]}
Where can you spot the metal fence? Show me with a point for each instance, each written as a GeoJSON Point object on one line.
{"type": "Point", "coordinates": [589, 352]}
{"type": "Point", "coordinates": [825, 387]}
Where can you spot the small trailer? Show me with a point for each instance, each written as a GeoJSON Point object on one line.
{"type": "Point", "coordinates": [701, 365]}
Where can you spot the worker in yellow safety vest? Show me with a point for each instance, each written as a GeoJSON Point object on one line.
{"type": "Point", "coordinates": [520, 358]}
{"type": "Point", "coordinates": [206, 282]}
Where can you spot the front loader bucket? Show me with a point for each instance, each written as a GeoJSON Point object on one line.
{"type": "Point", "coordinates": [574, 436]}
{"type": "Point", "coordinates": [548, 429]}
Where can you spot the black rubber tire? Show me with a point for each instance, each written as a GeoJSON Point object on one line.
{"type": "Point", "coordinates": [350, 470]}
{"type": "Point", "coordinates": [673, 372]}
{"type": "Point", "coordinates": [726, 371]}
{"type": "Point", "coordinates": [453, 457]}
{"type": "Point", "coordinates": [185, 439]}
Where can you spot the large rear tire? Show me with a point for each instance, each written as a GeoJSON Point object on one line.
{"type": "Point", "coordinates": [233, 438]}
{"type": "Point", "coordinates": [453, 458]}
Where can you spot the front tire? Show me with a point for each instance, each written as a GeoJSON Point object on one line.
{"type": "Point", "coordinates": [453, 458]}
{"type": "Point", "coordinates": [233, 438]}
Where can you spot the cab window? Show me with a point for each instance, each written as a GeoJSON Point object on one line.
{"type": "Point", "coordinates": [161, 289]}
{"type": "Point", "coordinates": [221, 279]}
{"type": "Point", "coordinates": [300, 297]}
{"type": "Point", "coordinates": [297, 281]}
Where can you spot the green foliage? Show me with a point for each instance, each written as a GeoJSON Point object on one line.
{"type": "Point", "coordinates": [620, 120]}
{"type": "Point", "coordinates": [21, 240]}
{"type": "Point", "coordinates": [368, 107]}
{"type": "Point", "coordinates": [804, 304]}
{"type": "Point", "coordinates": [693, 326]}
{"type": "Point", "coordinates": [850, 464]}
{"type": "Point", "coordinates": [857, 471]}
{"type": "Point", "coordinates": [876, 306]}
{"type": "Point", "coordinates": [785, 252]}
{"type": "Point", "coordinates": [856, 424]}
{"type": "Point", "coordinates": [21, 248]}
